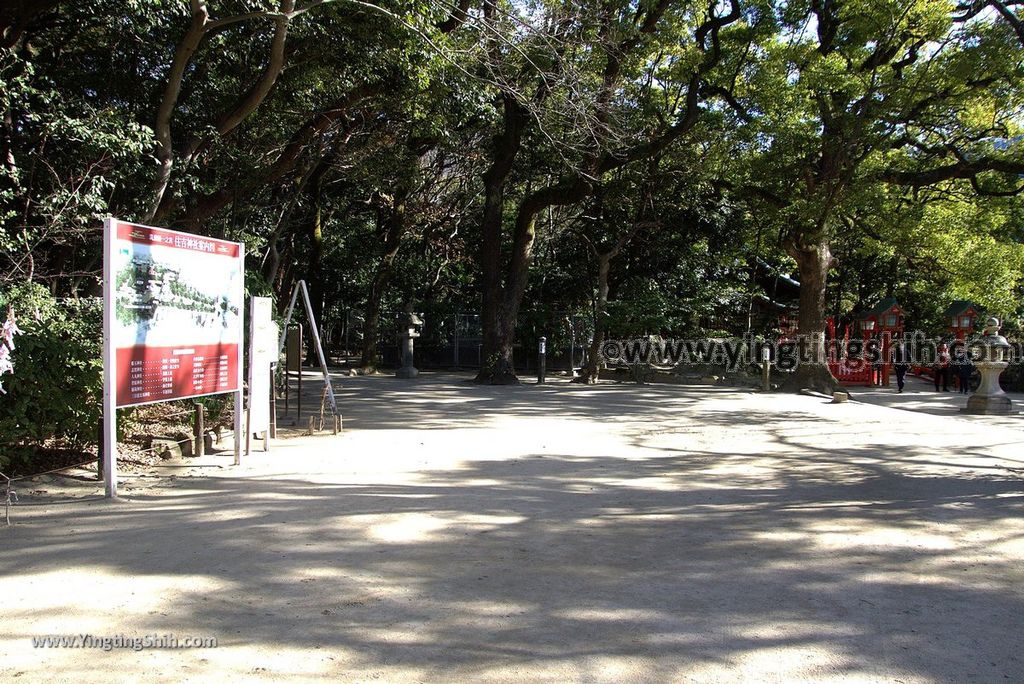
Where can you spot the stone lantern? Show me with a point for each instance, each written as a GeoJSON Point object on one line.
{"type": "Point", "coordinates": [991, 353]}
{"type": "Point", "coordinates": [409, 329]}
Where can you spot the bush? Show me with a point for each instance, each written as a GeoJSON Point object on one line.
{"type": "Point", "coordinates": [54, 397]}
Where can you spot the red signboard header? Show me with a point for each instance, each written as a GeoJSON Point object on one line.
{"type": "Point", "coordinates": [172, 238]}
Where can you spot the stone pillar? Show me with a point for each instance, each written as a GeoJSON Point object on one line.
{"type": "Point", "coordinates": [409, 332]}
{"type": "Point", "coordinates": [542, 353]}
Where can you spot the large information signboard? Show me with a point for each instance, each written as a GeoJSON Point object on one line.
{"type": "Point", "coordinates": [172, 322]}
{"type": "Point", "coordinates": [178, 314]}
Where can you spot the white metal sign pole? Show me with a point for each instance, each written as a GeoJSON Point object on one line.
{"type": "Point", "coordinates": [239, 403]}
{"type": "Point", "coordinates": [319, 347]}
{"type": "Point", "coordinates": [287, 320]}
{"type": "Point", "coordinates": [239, 410]}
{"type": "Point", "coordinates": [109, 362]}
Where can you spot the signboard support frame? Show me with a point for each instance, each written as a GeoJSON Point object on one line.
{"type": "Point", "coordinates": [109, 364]}
{"type": "Point", "coordinates": [239, 410]}
{"type": "Point", "coordinates": [301, 285]}
{"type": "Point", "coordinates": [239, 398]}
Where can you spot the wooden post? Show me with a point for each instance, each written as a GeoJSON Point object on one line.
{"type": "Point", "coordinates": [99, 452]}
{"type": "Point", "coordinates": [248, 425]}
{"type": "Point", "coordinates": [323, 400]}
{"type": "Point", "coordinates": [199, 430]}
{"type": "Point", "coordinates": [273, 405]}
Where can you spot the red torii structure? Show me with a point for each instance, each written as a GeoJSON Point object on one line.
{"type": "Point", "coordinates": [885, 319]}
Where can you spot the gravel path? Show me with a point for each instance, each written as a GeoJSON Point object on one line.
{"type": "Point", "coordinates": [550, 533]}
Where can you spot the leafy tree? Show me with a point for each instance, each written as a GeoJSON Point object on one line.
{"type": "Point", "coordinates": [854, 94]}
{"type": "Point", "coordinates": [629, 64]}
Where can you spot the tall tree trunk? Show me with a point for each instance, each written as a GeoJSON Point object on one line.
{"type": "Point", "coordinates": [500, 363]}
{"type": "Point", "coordinates": [604, 268]}
{"type": "Point", "coordinates": [813, 259]}
{"type": "Point", "coordinates": [314, 271]}
{"type": "Point", "coordinates": [393, 228]}
{"type": "Point", "coordinates": [496, 359]}
{"type": "Point", "coordinates": [285, 280]}
{"type": "Point", "coordinates": [497, 339]}
{"type": "Point", "coordinates": [593, 370]}
{"type": "Point", "coordinates": [500, 321]}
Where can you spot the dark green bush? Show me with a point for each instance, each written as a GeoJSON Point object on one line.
{"type": "Point", "coordinates": [54, 397]}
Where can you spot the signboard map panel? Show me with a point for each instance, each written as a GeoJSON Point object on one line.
{"type": "Point", "coordinates": [177, 328]}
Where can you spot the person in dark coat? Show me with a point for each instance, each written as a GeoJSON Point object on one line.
{"type": "Point", "coordinates": [964, 370]}
{"type": "Point", "coordinates": [942, 368]}
{"type": "Point", "coordinates": [900, 365]}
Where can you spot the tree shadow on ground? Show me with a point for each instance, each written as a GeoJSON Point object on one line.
{"type": "Point", "coordinates": [873, 560]}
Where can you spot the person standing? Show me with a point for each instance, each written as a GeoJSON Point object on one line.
{"type": "Point", "coordinates": [964, 370]}
{"type": "Point", "coordinates": [900, 365]}
{"type": "Point", "coordinates": [941, 368]}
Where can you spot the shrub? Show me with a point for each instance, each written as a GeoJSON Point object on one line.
{"type": "Point", "coordinates": [54, 397]}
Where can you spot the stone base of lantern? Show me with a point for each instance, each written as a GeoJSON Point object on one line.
{"type": "Point", "coordinates": [988, 405]}
{"type": "Point", "coordinates": [990, 398]}
{"type": "Point", "coordinates": [407, 372]}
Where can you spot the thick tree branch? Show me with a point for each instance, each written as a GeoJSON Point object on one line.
{"type": "Point", "coordinates": [558, 194]}
{"type": "Point", "coordinates": [162, 127]}
{"type": "Point", "coordinates": [201, 25]}
{"type": "Point", "coordinates": [962, 169]}
{"type": "Point", "coordinates": [288, 158]}
{"type": "Point", "coordinates": [259, 90]}
{"type": "Point", "coordinates": [16, 15]}
{"type": "Point", "coordinates": [1010, 18]}
{"type": "Point", "coordinates": [457, 17]}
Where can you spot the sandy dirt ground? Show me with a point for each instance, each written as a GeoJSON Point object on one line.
{"type": "Point", "coordinates": [553, 533]}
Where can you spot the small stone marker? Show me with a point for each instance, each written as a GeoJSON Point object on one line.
{"type": "Point", "coordinates": [840, 397]}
